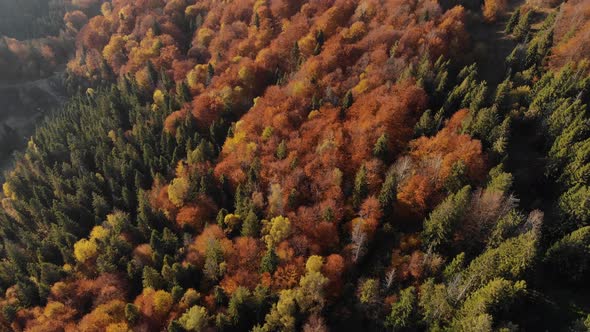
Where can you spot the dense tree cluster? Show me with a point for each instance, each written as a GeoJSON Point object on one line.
{"type": "Point", "coordinates": [301, 165]}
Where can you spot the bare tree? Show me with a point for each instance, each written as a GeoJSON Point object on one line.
{"type": "Point", "coordinates": [534, 222]}
{"type": "Point", "coordinates": [389, 278]}
{"type": "Point", "coordinates": [433, 164]}
{"type": "Point", "coordinates": [486, 208]}
{"type": "Point", "coordinates": [358, 239]}
{"type": "Point", "coordinates": [402, 168]}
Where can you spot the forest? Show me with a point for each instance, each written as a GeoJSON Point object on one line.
{"type": "Point", "coordinates": [299, 165]}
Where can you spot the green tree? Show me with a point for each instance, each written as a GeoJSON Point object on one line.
{"type": "Point", "coordinates": [213, 268]}
{"type": "Point", "coordinates": [457, 178]}
{"type": "Point", "coordinates": [175, 326]}
{"type": "Point", "coordinates": [388, 193]}
{"type": "Point", "coordinates": [282, 315]}
{"type": "Point", "coordinates": [256, 20]}
{"type": "Point", "coordinates": [524, 24]}
{"type": "Point", "coordinates": [434, 304]}
{"type": "Point", "coordinates": [495, 297]}
{"type": "Point", "coordinates": [183, 92]}
{"type": "Point", "coordinates": [512, 21]}
{"type": "Point", "coordinates": [238, 305]}
{"type": "Point", "coordinates": [506, 227]}
{"type": "Point", "coordinates": [210, 73]}
{"type": "Point", "coordinates": [151, 278]}
{"type": "Point", "coordinates": [361, 188]}
{"type": "Point", "coordinates": [251, 225]}
{"type": "Point", "coordinates": [221, 217]}
{"type": "Point", "coordinates": [510, 260]}
{"type": "Point", "coordinates": [426, 125]}
{"type": "Point", "coordinates": [440, 224]}
{"type": "Point", "coordinates": [499, 180]}
{"type": "Point", "coordinates": [569, 258]}
{"type": "Point", "coordinates": [195, 319]}
{"type": "Point", "coordinates": [152, 73]}
{"type": "Point", "coordinates": [310, 294]}
{"type": "Point", "coordinates": [368, 292]}
{"type": "Point", "coordinates": [575, 203]}
{"type": "Point", "coordinates": [403, 312]}
{"type": "Point", "coordinates": [131, 313]}
{"type": "Point", "coordinates": [282, 150]}
{"type": "Point", "coordinates": [380, 150]}
{"type": "Point", "coordinates": [347, 102]}
{"type": "Point", "coordinates": [269, 261]}
{"type": "Point", "coordinates": [502, 97]}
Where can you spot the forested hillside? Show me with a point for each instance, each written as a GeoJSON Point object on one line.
{"type": "Point", "coordinates": [37, 37]}
{"type": "Point", "coordinates": [291, 165]}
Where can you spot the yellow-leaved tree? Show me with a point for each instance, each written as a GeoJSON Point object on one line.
{"type": "Point", "coordinates": [85, 250]}
{"type": "Point", "coordinates": [178, 190]}
{"type": "Point", "coordinates": [280, 228]}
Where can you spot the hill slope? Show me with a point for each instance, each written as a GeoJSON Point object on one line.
{"type": "Point", "coordinates": [306, 165]}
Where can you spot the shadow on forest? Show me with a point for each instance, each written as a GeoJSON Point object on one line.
{"type": "Point", "coordinates": [22, 106]}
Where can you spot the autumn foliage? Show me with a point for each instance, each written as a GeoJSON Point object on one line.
{"type": "Point", "coordinates": [492, 9]}
{"type": "Point", "coordinates": [571, 33]}
{"type": "Point", "coordinates": [285, 151]}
